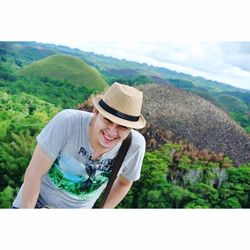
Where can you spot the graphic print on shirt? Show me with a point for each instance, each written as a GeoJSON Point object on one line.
{"type": "Point", "coordinates": [69, 174]}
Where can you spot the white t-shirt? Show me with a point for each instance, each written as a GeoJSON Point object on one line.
{"type": "Point", "coordinates": [65, 139]}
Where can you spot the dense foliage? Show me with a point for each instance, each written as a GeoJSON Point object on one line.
{"type": "Point", "coordinates": [172, 178]}
{"type": "Point", "coordinates": [62, 94]}
{"type": "Point", "coordinates": [21, 119]}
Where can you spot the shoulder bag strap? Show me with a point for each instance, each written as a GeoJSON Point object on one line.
{"type": "Point", "coordinates": [117, 165]}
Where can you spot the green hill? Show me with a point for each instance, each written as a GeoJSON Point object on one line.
{"type": "Point", "coordinates": [66, 68]}
{"type": "Point", "coordinates": [232, 104]}
{"type": "Point", "coordinates": [209, 97]}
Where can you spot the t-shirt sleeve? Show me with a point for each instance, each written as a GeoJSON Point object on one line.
{"type": "Point", "coordinates": [131, 167]}
{"type": "Point", "coordinates": [55, 134]}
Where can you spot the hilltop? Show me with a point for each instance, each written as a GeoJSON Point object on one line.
{"type": "Point", "coordinates": [65, 68]}
{"type": "Point", "coordinates": [176, 115]}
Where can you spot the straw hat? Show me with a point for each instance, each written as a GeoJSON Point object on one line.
{"type": "Point", "coordinates": [122, 105]}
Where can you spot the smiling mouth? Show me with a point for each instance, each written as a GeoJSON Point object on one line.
{"type": "Point", "coordinates": [106, 137]}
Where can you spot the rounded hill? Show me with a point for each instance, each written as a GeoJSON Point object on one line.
{"type": "Point", "coordinates": [176, 115]}
{"type": "Point", "coordinates": [232, 104]}
{"type": "Point", "coordinates": [66, 68]}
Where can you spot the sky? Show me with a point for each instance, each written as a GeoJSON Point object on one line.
{"type": "Point", "coordinates": [201, 38]}
{"type": "Point", "coordinates": [227, 62]}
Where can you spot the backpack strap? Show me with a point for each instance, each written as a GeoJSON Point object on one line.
{"type": "Point", "coordinates": [116, 166]}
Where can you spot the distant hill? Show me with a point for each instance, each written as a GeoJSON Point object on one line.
{"type": "Point", "coordinates": [232, 104]}
{"type": "Point", "coordinates": [204, 94]}
{"type": "Point", "coordinates": [66, 68]}
{"type": "Point", "coordinates": [176, 115]}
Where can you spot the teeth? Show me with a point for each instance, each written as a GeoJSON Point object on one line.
{"type": "Point", "coordinates": [108, 138]}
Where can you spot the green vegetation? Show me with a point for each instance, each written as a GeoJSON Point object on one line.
{"type": "Point", "coordinates": [65, 68]}
{"type": "Point", "coordinates": [132, 81]}
{"type": "Point", "coordinates": [21, 118]}
{"type": "Point", "coordinates": [237, 108]}
{"type": "Point", "coordinates": [207, 96]}
{"type": "Point", "coordinates": [183, 84]}
{"type": "Point", "coordinates": [232, 104]}
{"type": "Point", "coordinates": [7, 72]}
{"type": "Point", "coordinates": [171, 178]}
{"type": "Point", "coordinates": [62, 93]}
{"type": "Point", "coordinates": [243, 119]}
{"type": "Point", "coordinates": [58, 92]}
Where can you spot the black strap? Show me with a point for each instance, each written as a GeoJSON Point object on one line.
{"type": "Point", "coordinates": [117, 165]}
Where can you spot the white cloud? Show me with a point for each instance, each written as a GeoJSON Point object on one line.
{"type": "Point", "coordinates": [227, 62]}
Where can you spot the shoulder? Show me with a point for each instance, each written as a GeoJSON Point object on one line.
{"type": "Point", "coordinates": [73, 114]}
{"type": "Point", "coordinates": [71, 119]}
{"type": "Point", "coordinates": [138, 140]}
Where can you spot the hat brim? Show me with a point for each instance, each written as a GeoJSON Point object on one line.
{"type": "Point", "coordinates": [130, 124]}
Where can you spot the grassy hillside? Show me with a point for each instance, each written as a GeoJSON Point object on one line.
{"type": "Point", "coordinates": [67, 68]}
{"type": "Point", "coordinates": [232, 104]}
{"type": "Point", "coordinates": [23, 53]}
{"type": "Point", "coordinates": [206, 95]}
{"type": "Point", "coordinates": [60, 93]}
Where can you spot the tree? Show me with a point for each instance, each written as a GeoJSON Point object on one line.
{"type": "Point", "coordinates": [6, 197]}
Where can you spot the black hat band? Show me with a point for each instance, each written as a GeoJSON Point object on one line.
{"type": "Point", "coordinates": [116, 113]}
